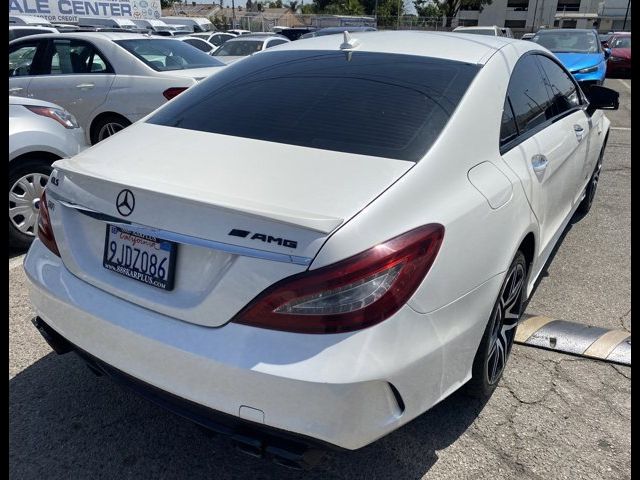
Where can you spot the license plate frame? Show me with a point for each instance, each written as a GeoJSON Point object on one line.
{"type": "Point", "coordinates": [131, 241]}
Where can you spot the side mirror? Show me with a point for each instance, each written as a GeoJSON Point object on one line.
{"type": "Point", "coordinates": [607, 53]}
{"type": "Point", "coordinates": [601, 98]}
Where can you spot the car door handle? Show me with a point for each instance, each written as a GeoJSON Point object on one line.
{"type": "Point", "coordinates": [539, 164]}
{"type": "Point", "coordinates": [15, 89]}
{"type": "Point", "coordinates": [85, 86]}
{"type": "Point", "coordinates": [579, 132]}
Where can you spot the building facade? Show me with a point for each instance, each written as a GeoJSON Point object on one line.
{"type": "Point", "coordinates": [530, 15]}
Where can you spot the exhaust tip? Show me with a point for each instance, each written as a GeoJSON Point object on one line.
{"type": "Point", "coordinates": [53, 338]}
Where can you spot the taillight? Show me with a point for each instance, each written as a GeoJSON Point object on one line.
{"type": "Point", "coordinates": [351, 294]}
{"type": "Point", "coordinates": [172, 92]}
{"type": "Point", "coordinates": [45, 232]}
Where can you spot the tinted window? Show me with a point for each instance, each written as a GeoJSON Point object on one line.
{"type": "Point", "coordinates": [273, 43]}
{"type": "Point", "coordinates": [528, 95]}
{"type": "Point", "coordinates": [165, 54]}
{"type": "Point", "coordinates": [75, 57]}
{"type": "Point", "coordinates": [508, 128]}
{"type": "Point", "coordinates": [385, 105]}
{"type": "Point", "coordinates": [21, 58]}
{"type": "Point", "coordinates": [23, 32]}
{"type": "Point", "coordinates": [199, 44]}
{"type": "Point", "coordinates": [564, 93]}
{"type": "Point", "coordinates": [239, 48]}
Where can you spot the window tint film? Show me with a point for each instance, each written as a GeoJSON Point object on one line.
{"type": "Point", "coordinates": [508, 129]}
{"type": "Point", "coordinates": [385, 105]}
{"type": "Point", "coordinates": [20, 59]}
{"type": "Point", "coordinates": [528, 94]}
{"type": "Point", "coordinates": [240, 48]}
{"type": "Point", "coordinates": [564, 93]}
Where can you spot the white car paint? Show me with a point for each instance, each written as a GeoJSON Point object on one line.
{"type": "Point", "coordinates": [35, 142]}
{"type": "Point", "coordinates": [132, 91]}
{"type": "Point", "coordinates": [340, 387]}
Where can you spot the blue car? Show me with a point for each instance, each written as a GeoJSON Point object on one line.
{"type": "Point", "coordinates": [580, 52]}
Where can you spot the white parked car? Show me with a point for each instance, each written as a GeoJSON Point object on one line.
{"type": "Point", "coordinates": [39, 134]}
{"type": "Point", "coordinates": [107, 80]}
{"type": "Point", "coordinates": [19, 31]}
{"type": "Point", "coordinates": [493, 31]}
{"type": "Point", "coordinates": [195, 24]}
{"type": "Point", "coordinates": [331, 274]}
{"type": "Point", "coordinates": [30, 20]}
{"type": "Point", "coordinates": [216, 38]}
{"type": "Point", "coordinates": [199, 43]}
{"type": "Point", "coordinates": [245, 45]}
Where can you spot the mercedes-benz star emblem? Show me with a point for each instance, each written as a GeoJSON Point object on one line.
{"type": "Point", "coordinates": [125, 203]}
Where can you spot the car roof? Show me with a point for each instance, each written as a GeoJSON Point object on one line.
{"type": "Point", "coordinates": [581, 30]}
{"type": "Point", "coordinates": [256, 37]}
{"type": "Point", "coordinates": [101, 35]}
{"type": "Point", "coordinates": [448, 45]}
{"type": "Point", "coordinates": [479, 27]}
{"type": "Point", "coordinates": [44, 28]}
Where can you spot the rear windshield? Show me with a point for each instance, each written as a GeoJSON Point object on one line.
{"type": "Point", "coordinates": [379, 104]}
{"type": "Point", "coordinates": [167, 54]}
{"type": "Point", "coordinates": [240, 48]}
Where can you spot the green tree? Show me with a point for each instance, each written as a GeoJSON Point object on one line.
{"type": "Point", "coordinates": [450, 8]}
{"type": "Point", "coordinates": [275, 4]}
{"type": "Point", "coordinates": [307, 9]}
{"type": "Point", "coordinates": [345, 7]}
{"type": "Point", "coordinates": [293, 6]}
{"type": "Point", "coordinates": [168, 3]}
{"type": "Point", "coordinates": [426, 8]}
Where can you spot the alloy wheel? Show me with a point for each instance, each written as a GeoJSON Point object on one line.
{"type": "Point", "coordinates": [504, 320]}
{"type": "Point", "coordinates": [109, 129]}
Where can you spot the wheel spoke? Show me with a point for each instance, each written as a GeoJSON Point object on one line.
{"type": "Point", "coordinates": [23, 210]}
{"type": "Point", "coordinates": [18, 199]}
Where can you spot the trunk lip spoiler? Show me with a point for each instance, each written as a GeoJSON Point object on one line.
{"type": "Point", "coordinates": [185, 239]}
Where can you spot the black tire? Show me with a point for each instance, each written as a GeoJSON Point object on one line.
{"type": "Point", "coordinates": [24, 168]}
{"type": "Point", "coordinates": [493, 353]}
{"type": "Point", "coordinates": [100, 128]}
{"type": "Point", "coordinates": [592, 187]}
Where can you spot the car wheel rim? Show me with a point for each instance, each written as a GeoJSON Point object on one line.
{"type": "Point", "coordinates": [504, 321]}
{"type": "Point", "coordinates": [109, 129]}
{"type": "Point", "coordinates": [594, 183]}
{"type": "Point", "coordinates": [24, 202]}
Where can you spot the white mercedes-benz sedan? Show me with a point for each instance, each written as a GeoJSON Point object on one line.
{"type": "Point", "coordinates": [106, 80]}
{"type": "Point", "coordinates": [325, 264]}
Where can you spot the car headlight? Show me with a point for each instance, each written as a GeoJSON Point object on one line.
{"type": "Point", "coordinates": [60, 115]}
{"type": "Point", "coordinates": [588, 70]}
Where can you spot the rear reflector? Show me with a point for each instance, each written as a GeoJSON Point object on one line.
{"type": "Point", "coordinates": [351, 294]}
{"type": "Point", "coordinates": [172, 92]}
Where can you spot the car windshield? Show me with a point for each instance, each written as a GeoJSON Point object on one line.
{"type": "Point", "coordinates": [239, 48]}
{"type": "Point", "coordinates": [621, 42]}
{"type": "Point", "coordinates": [165, 54]}
{"type": "Point", "coordinates": [568, 41]}
{"type": "Point", "coordinates": [379, 104]}
{"type": "Point", "coordinates": [478, 31]}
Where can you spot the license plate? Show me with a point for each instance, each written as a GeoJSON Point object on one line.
{"type": "Point", "coordinates": [144, 258]}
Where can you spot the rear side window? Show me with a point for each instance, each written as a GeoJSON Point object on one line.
{"type": "Point", "coordinates": [163, 54]}
{"type": "Point", "coordinates": [75, 57]}
{"type": "Point", "coordinates": [564, 92]}
{"type": "Point", "coordinates": [384, 105]}
{"type": "Point", "coordinates": [508, 128]}
{"type": "Point", "coordinates": [21, 58]}
{"type": "Point", "coordinates": [528, 95]}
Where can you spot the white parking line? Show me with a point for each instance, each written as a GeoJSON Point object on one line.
{"type": "Point", "coordinates": [16, 262]}
{"type": "Point", "coordinates": [627, 129]}
{"type": "Point", "coordinates": [625, 84]}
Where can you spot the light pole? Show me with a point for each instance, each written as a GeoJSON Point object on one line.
{"type": "Point", "coordinates": [398, 23]}
{"type": "Point", "coordinates": [233, 13]}
{"type": "Point", "coordinates": [624, 24]}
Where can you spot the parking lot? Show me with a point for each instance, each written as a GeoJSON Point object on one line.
{"type": "Point", "coordinates": [552, 416]}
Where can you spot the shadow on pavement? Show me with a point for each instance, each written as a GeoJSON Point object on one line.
{"type": "Point", "coordinates": [64, 422]}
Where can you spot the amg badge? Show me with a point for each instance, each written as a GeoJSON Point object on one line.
{"type": "Point", "coordinates": [263, 237]}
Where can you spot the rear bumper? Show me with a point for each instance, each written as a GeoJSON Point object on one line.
{"type": "Point", "coordinates": [346, 390]}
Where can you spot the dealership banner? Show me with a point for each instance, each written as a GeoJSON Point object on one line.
{"type": "Point", "coordinates": [70, 10]}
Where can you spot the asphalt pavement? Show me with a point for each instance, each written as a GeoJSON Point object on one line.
{"type": "Point", "coordinates": [553, 416]}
